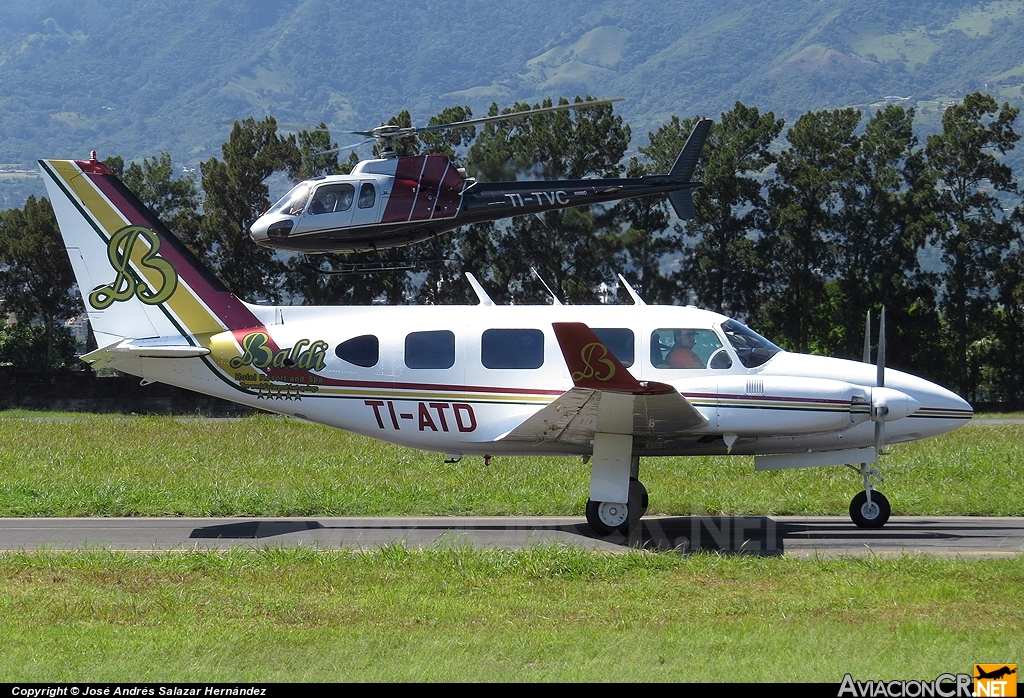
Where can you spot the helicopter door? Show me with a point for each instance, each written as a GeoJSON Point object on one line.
{"type": "Point", "coordinates": [367, 204]}
{"type": "Point", "coordinates": [330, 207]}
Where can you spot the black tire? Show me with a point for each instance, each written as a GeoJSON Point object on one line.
{"type": "Point", "coordinates": [597, 515]}
{"type": "Point", "coordinates": [876, 516]}
{"type": "Point", "coordinates": [616, 518]}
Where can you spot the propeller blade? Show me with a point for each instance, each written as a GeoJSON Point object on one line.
{"type": "Point", "coordinates": [879, 435]}
{"type": "Point", "coordinates": [867, 339]}
{"type": "Point", "coordinates": [880, 379]}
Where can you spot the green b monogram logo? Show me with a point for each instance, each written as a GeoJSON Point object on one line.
{"type": "Point", "coordinates": [119, 251]}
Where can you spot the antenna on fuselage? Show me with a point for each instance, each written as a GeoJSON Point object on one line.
{"type": "Point", "coordinates": [479, 290]}
{"type": "Point", "coordinates": [637, 300]}
{"type": "Point", "coordinates": [554, 298]}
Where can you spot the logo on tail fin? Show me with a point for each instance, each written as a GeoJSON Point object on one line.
{"type": "Point", "coordinates": [126, 284]}
{"type": "Point", "coordinates": [587, 354]}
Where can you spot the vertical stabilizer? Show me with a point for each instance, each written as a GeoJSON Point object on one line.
{"type": "Point", "coordinates": [137, 280]}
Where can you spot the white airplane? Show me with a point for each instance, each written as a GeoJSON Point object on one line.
{"type": "Point", "coordinates": [609, 383]}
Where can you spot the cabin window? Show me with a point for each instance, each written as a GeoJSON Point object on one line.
{"type": "Point", "coordinates": [683, 347]}
{"type": "Point", "coordinates": [367, 195]}
{"type": "Point", "coordinates": [434, 349]}
{"type": "Point", "coordinates": [620, 342]}
{"type": "Point", "coordinates": [362, 351]}
{"type": "Point", "coordinates": [752, 349]}
{"type": "Point", "coordinates": [293, 202]}
{"type": "Point", "coordinates": [332, 198]}
{"type": "Point", "coordinates": [512, 348]}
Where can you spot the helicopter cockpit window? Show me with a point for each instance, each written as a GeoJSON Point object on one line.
{"type": "Point", "coordinates": [681, 347]}
{"type": "Point", "coordinates": [367, 195]}
{"type": "Point", "coordinates": [332, 198]}
{"type": "Point", "coordinates": [293, 202]}
{"type": "Point", "coordinates": [752, 349]}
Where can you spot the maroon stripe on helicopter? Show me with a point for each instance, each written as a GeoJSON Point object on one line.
{"type": "Point", "coordinates": [449, 195]}
{"type": "Point", "coordinates": [403, 191]}
{"type": "Point", "coordinates": [228, 308]}
{"type": "Point", "coordinates": [434, 170]}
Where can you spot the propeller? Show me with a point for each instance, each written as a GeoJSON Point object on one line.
{"type": "Point", "coordinates": [879, 404]}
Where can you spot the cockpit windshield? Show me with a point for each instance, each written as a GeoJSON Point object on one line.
{"type": "Point", "coordinates": [293, 202]}
{"type": "Point", "coordinates": [752, 349]}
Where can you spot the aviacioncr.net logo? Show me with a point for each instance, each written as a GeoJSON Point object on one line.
{"type": "Point", "coordinates": [120, 251]}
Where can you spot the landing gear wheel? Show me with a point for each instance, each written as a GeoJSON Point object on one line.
{"type": "Point", "coordinates": [637, 496]}
{"type": "Point", "coordinates": [608, 517]}
{"type": "Point", "coordinates": [872, 515]}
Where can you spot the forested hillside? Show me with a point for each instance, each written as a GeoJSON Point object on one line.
{"type": "Point", "coordinates": [139, 77]}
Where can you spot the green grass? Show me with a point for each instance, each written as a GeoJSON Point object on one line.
{"type": "Point", "coordinates": [109, 465]}
{"type": "Point", "coordinates": [550, 613]}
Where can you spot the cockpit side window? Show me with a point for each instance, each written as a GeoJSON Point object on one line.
{"type": "Point", "coordinates": [683, 347]}
{"type": "Point", "coordinates": [363, 350]}
{"type": "Point", "coordinates": [367, 195]}
{"type": "Point", "coordinates": [751, 348]}
{"type": "Point", "coordinates": [332, 198]}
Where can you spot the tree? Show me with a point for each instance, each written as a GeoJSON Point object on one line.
{"type": "Point", "coordinates": [884, 224]}
{"type": "Point", "coordinates": [973, 234]}
{"type": "Point", "coordinates": [729, 208]}
{"type": "Point", "coordinates": [236, 194]}
{"type": "Point", "coordinates": [572, 250]}
{"type": "Point", "coordinates": [174, 201]}
{"type": "Point", "coordinates": [37, 281]}
{"type": "Point", "coordinates": [805, 213]}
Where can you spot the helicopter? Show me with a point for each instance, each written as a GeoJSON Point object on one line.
{"type": "Point", "coordinates": [393, 201]}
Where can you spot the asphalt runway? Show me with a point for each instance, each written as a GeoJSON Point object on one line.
{"type": "Point", "coordinates": [758, 535]}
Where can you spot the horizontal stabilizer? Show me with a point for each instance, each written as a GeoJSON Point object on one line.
{"type": "Point", "coordinates": [682, 203]}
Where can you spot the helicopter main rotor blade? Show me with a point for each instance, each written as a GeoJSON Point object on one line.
{"type": "Point", "coordinates": [518, 114]}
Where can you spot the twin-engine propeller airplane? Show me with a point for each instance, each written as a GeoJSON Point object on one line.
{"type": "Point", "coordinates": [397, 201]}
{"type": "Point", "coordinates": [609, 383]}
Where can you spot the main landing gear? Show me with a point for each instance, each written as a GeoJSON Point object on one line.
{"type": "Point", "coordinates": [869, 509]}
{"type": "Point", "coordinates": [611, 517]}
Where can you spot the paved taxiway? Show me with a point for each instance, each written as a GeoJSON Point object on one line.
{"type": "Point", "coordinates": [778, 535]}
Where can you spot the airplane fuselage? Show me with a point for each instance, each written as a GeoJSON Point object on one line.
{"type": "Point", "coordinates": [292, 365]}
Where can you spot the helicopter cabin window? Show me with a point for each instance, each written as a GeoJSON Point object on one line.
{"type": "Point", "coordinates": [362, 351]}
{"type": "Point", "coordinates": [434, 349]}
{"type": "Point", "coordinates": [619, 341]}
{"type": "Point", "coordinates": [367, 195]}
{"type": "Point", "coordinates": [680, 347]}
{"type": "Point", "coordinates": [293, 202]}
{"type": "Point", "coordinates": [332, 198]}
{"type": "Point", "coordinates": [512, 348]}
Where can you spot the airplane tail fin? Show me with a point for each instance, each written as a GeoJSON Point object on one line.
{"type": "Point", "coordinates": [138, 281]}
{"type": "Point", "coordinates": [682, 170]}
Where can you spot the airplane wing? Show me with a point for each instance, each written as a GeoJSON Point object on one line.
{"type": "Point", "coordinates": [605, 398]}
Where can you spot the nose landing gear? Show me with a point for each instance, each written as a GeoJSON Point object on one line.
{"type": "Point", "coordinates": [869, 509]}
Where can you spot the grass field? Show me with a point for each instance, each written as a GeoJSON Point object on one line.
{"type": "Point", "coordinates": [108, 465]}
{"type": "Point", "coordinates": [545, 614]}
